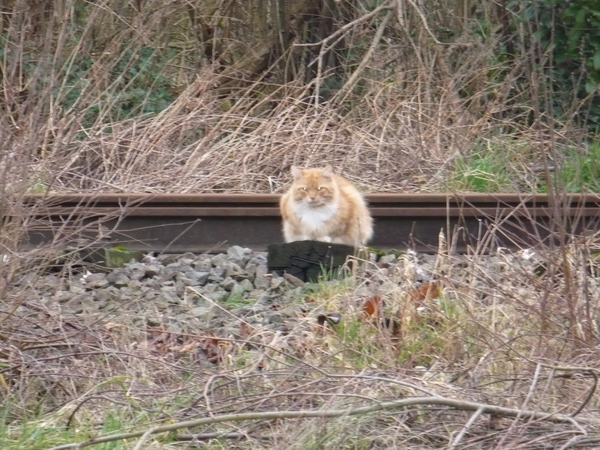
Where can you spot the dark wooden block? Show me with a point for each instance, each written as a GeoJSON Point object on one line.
{"type": "Point", "coordinates": [307, 260]}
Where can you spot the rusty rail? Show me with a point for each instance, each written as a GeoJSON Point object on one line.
{"type": "Point", "coordinates": [200, 222]}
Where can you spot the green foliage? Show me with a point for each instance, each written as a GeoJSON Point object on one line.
{"type": "Point", "coordinates": [507, 166]}
{"type": "Point", "coordinates": [580, 171]}
{"type": "Point", "coordinates": [36, 186]}
{"type": "Point", "coordinates": [237, 300]}
{"type": "Point", "coordinates": [38, 435]}
{"type": "Point", "coordinates": [481, 173]}
{"type": "Point", "coordinates": [495, 165]}
{"type": "Point", "coordinates": [569, 32]}
{"type": "Point", "coordinates": [119, 255]}
{"type": "Point", "coordinates": [135, 85]}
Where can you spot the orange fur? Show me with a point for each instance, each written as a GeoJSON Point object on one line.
{"type": "Point", "coordinates": [323, 206]}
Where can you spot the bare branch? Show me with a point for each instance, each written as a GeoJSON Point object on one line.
{"type": "Point", "coordinates": [417, 401]}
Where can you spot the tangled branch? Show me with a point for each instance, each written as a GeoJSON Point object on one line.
{"type": "Point", "coordinates": [269, 415]}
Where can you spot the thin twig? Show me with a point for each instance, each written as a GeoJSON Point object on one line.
{"type": "Point", "coordinates": [466, 427]}
{"type": "Point", "coordinates": [347, 87]}
{"type": "Point", "coordinates": [304, 414]}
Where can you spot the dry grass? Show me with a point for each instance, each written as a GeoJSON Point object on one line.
{"type": "Point", "coordinates": [75, 115]}
{"type": "Point", "coordinates": [499, 335]}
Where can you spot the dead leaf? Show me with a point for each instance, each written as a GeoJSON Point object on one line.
{"type": "Point", "coordinates": [427, 291]}
{"type": "Point", "coordinates": [190, 346]}
{"type": "Point", "coordinates": [210, 347]}
{"type": "Point", "coordinates": [246, 330]}
{"type": "Point", "coordinates": [373, 306]}
{"type": "Point", "coordinates": [110, 325]}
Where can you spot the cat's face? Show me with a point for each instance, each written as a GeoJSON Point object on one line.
{"type": "Point", "coordinates": [314, 187]}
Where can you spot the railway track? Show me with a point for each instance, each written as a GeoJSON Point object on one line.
{"type": "Point", "coordinates": [175, 223]}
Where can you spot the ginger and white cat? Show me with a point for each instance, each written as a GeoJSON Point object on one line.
{"type": "Point", "coordinates": [323, 206]}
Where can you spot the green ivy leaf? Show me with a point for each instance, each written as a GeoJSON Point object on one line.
{"type": "Point", "coordinates": [590, 86]}
{"type": "Point", "coordinates": [596, 60]}
{"type": "Point", "coordinates": [580, 18]}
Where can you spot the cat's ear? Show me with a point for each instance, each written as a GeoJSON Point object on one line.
{"type": "Point", "coordinates": [295, 172]}
{"type": "Point", "coordinates": [328, 170]}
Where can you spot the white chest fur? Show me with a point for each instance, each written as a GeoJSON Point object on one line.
{"type": "Point", "coordinates": [314, 218]}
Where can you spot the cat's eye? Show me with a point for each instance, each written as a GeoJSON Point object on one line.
{"type": "Point", "coordinates": [304, 189]}
{"type": "Point", "coordinates": [319, 188]}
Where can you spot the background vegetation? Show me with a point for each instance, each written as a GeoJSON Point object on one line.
{"type": "Point", "coordinates": [225, 95]}
{"type": "Point", "coordinates": [199, 96]}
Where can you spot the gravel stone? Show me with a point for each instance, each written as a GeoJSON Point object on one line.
{"type": "Point", "coordinates": [246, 285]}
{"type": "Point", "coordinates": [228, 284]}
{"type": "Point", "coordinates": [268, 298]}
{"type": "Point", "coordinates": [387, 261]}
{"type": "Point", "coordinates": [135, 285]}
{"type": "Point", "coordinates": [189, 281]}
{"type": "Point", "coordinates": [76, 289]}
{"type": "Point", "coordinates": [250, 269]}
{"type": "Point", "coordinates": [170, 289]}
{"type": "Point", "coordinates": [187, 255]}
{"type": "Point", "coordinates": [150, 295]}
{"type": "Point", "coordinates": [104, 295]}
{"type": "Point", "coordinates": [95, 281]}
{"type": "Point", "coordinates": [239, 255]}
{"type": "Point", "coordinates": [261, 281]}
{"type": "Point", "coordinates": [120, 280]}
{"type": "Point", "coordinates": [187, 261]}
{"type": "Point", "coordinates": [168, 297]}
{"type": "Point", "coordinates": [274, 318]}
{"type": "Point", "coordinates": [215, 292]}
{"type": "Point", "coordinates": [218, 296]}
{"type": "Point", "coordinates": [167, 259]}
{"type": "Point", "coordinates": [199, 277]}
{"type": "Point", "coordinates": [153, 321]}
{"type": "Point", "coordinates": [203, 265]}
{"type": "Point", "coordinates": [259, 258]}
{"type": "Point", "coordinates": [215, 279]}
{"type": "Point", "coordinates": [218, 260]}
{"type": "Point", "coordinates": [200, 311]}
{"type": "Point", "coordinates": [237, 290]}
{"type": "Point", "coordinates": [135, 266]}
{"type": "Point", "coordinates": [294, 281]}
{"type": "Point", "coordinates": [210, 288]}
{"type": "Point", "coordinates": [137, 275]}
{"type": "Point", "coordinates": [63, 296]}
{"type": "Point", "coordinates": [277, 282]}
{"type": "Point", "coordinates": [152, 270]}
{"type": "Point", "coordinates": [232, 268]}
{"type": "Point", "coordinates": [168, 275]}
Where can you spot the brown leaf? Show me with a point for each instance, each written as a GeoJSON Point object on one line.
{"type": "Point", "coordinates": [246, 330]}
{"type": "Point", "coordinates": [108, 326]}
{"type": "Point", "coordinates": [373, 306]}
{"type": "Point", "coordinates": [210, 347]}
{"type": "Point", "coordinates": [427, 291]}
{"type": "Point", "coordinates": [187, 347]}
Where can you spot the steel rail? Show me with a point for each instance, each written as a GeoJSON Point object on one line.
{"type": "Point", "coordinates": [177, 223]}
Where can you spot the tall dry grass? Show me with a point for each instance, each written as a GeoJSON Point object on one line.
{"type": "Point", "coordinates": [497, 360]}
{"type": "Point", "coordinates": [407, 106]}
{"type": "Point", "coordinates": [123, 96]}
